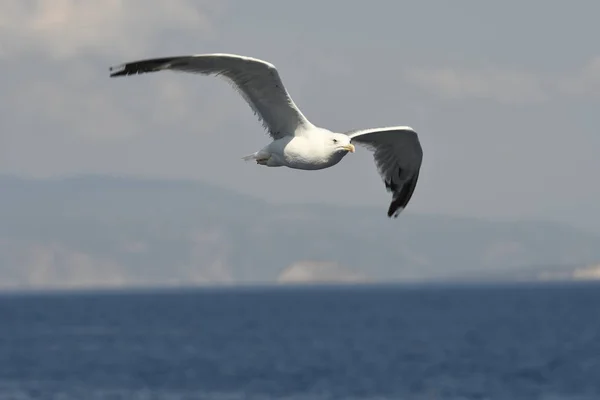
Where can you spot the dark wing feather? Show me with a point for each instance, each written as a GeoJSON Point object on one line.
{"type": "Point", "coordinates": [398, 156]}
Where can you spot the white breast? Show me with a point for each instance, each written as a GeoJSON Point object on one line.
{"type": "Point", "coordinates": [309, 153]}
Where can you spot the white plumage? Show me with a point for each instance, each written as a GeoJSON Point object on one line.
{"type": "Point", "coordinates": [297, 143]}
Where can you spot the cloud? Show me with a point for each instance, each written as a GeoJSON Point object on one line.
{"type": "Point", "coordinates": [504, 85]}
{"type": "Point", "coordinates": [66, 28]}
{"type": "Point", "coordinates": [584, 83]}
{"type": "Point", "coordinates": [58, 53]}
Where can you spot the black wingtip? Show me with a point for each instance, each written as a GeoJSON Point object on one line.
{"type": "Point", "coordinates": [394, 210]}
{"type": "Point", "coordinates": [143, 66]}
{"type": "Point", "coordinates": [121, 71]}
{"type": "Point", "coordinates": [401, 198]}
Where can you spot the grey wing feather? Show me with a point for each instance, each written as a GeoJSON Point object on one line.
{"type": "Point", "coordinates": [398, 155]}
{"type": "Point", "coordinates": [257, 81]}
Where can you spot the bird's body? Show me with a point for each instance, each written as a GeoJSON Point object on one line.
{"type": "Point", "coordinates": [297, 143]}
{"type": "Point", "coordinates": [303, 151]}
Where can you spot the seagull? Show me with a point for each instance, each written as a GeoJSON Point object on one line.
{"type": "Point", "coordinates": [297, 143]}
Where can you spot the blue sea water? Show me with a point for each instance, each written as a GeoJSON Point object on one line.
{"type": "Point", "coordinates": [489, 342]}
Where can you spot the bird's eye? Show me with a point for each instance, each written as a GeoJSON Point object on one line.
{"type": "Point", "coordinates": [334, 140]}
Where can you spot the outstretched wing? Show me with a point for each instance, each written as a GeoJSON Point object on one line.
{"type": "Point", "coordinates": [257, 81]}
{"type": "Point", "coordinates": [398, 155]}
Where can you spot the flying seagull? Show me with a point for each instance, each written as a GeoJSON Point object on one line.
{"type": "Point", "coordinates": [297, 143]}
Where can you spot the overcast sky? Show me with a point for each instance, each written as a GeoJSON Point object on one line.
{"type": "Point", "coordinates": [505, 96]}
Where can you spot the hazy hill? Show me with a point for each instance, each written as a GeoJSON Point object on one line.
{"type": "Point", "coordinates": [98, 231]}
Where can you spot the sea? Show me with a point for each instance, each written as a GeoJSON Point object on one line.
{"type": "Point", "coordinates": [484, 342]}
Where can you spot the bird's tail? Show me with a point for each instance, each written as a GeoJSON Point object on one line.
{"type": "Point", "coordinates": [250, 156]}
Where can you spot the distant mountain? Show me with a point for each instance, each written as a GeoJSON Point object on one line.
{"type": "Point", "coordinates": [105, 231]}
{"type": "Point", "coordinates": [537, 273]}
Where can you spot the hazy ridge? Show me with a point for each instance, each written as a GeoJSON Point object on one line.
{"type": "Point", "coordinates": [93, 231]}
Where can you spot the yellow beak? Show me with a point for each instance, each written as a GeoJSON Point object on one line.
{"type": "Point", "coordinates": [350, 148]}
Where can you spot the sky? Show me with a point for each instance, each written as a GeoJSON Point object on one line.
{"type": "Point", "coordinates": [504, 96]}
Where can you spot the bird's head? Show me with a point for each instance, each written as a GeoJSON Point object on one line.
{"type": "Point", "coordinates": [340, 142]}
